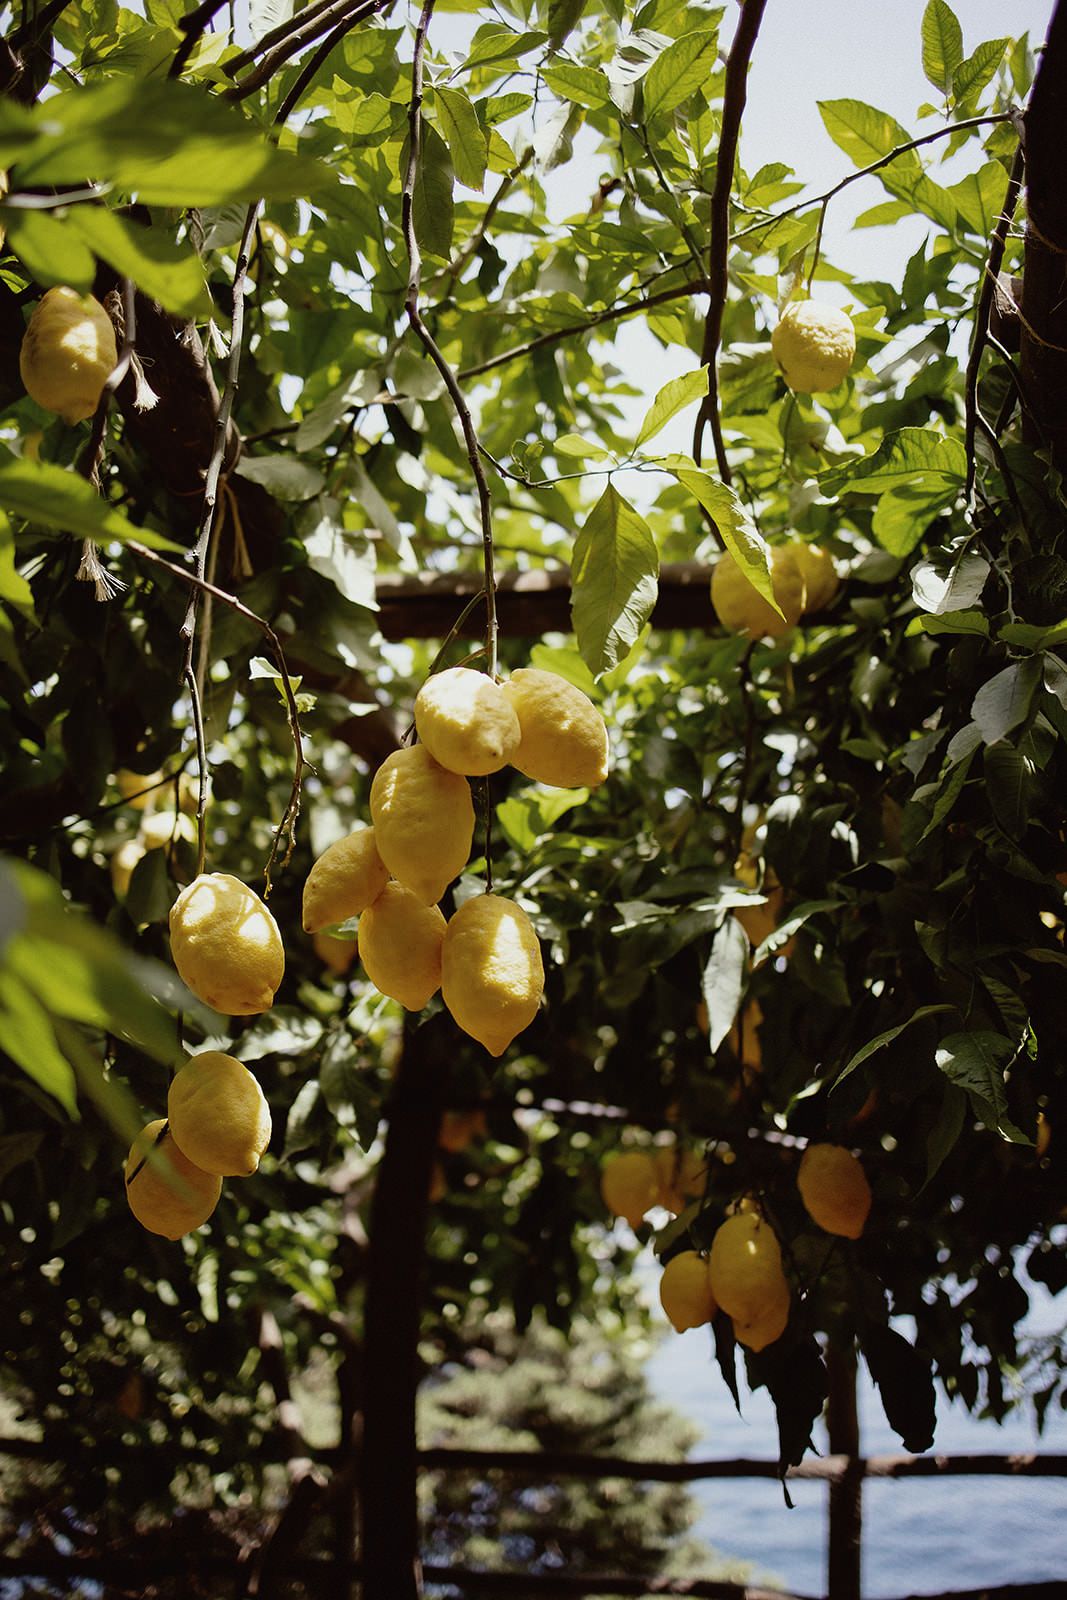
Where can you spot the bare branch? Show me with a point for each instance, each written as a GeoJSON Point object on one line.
{"type": "Point", "coordinates": [981, 316]}
{"type": "Point", "coordinates": [192, 26]}
{"type": "Point", "coordinates": [342, 13]}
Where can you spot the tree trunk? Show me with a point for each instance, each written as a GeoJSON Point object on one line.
{"type": "Point", "coordinates": [1043, 348]}
{"type": "Point", "coordinates": [846, 1494]}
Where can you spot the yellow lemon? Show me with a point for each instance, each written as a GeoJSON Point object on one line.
{"type": "Point", "coordinates": [814, 345]}
{"type": "Point", "coordinates": [742, 609]}
{"type": "Point", "coordinates": [682, 1177]}
{"type": "Point", "coordinates": [337, 954]}
{"type": "Point", "coordinates": [466, 722]}
{"type": "Point", "coordinates": [68, 353]}
{"type": "Point", "coordinates": [218, 1114]}
{"type": "Point", "coordinates": [491, 975]}
{"type": "Point", "coordinates": [138, 789]}
{"type": "Point", "coordinates": [685, 1291]}
{"type": "Point", "coordinates": [169, 1195]}
{"type": "Point", "coordinates": [821, 582]}
{"type": "Point", "coordinates": [746, 1266]}
{"type": "Point", "coordinates": [834, 1189]}
{"type": "Point", "coordinates": [4, 186]}
{"type": "Point", "coordinates": [160, 829]}
{"type": "Point", "coordinates": [226, 945]}
{"type": "Point", "coordinates": [768, 1326]}
{"type": "Point", "coordinates": [1043, 1137]}
{"type": "Point", "coordinates": [423, 821]}
{"type": "Point", "coordinates": [123, 862]}
{"type": "Point", "coordinates": [400, 941]}
{"type": "Point", "coordinates": [459, 1128]}
{"type": "Point", "coordinates": [343, 881]}
{"type": "Point", "coordinates": [564, 741]}
{"type": "Point", "coordinates": [629, 1185]}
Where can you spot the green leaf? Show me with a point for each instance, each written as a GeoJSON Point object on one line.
{"type": "Point", "coordinates": [880, 1041]}
{"type": "Point", "coordinates": [972, 75]}
{"type": "Point", "coordinates": [54, 497]}
{"type": "Point", "coordinates": [495, 44]}
{"type": "Point", "coordinates": [1032, 636]}
{"type": "Point", "coordinates": [1009, 779]}
{"type": "Point", "coordinates": [685, 66]}
{"type": "Point", "coordinates": [49, 249]}
{"type": "Point", "coordinates": [614, 581]}
{"type": "Point", "coordinates": [943, 1136]}
{"type": "Point", "coordinates": [585, 86]}
{"type": "Point", "coordinates": [723, 979]}
{"type": "Point", "coordinates": [672, 398]}
{"type": "Point", "coordinates": [733, 520]}
{"type": "Point", "coordinates": [864, 134]}
{"type": "Point", "coordinates": [789, 926]}
{"type": "Point", "coordinates": [903, 515]}
{"type": "Point", "coordinates": [976, 1062]}
{"type": "Point", "coordinates": [1004, 702]}
{"type": "Point", "coordinates": [463, 133]}
{"type": "Point", "coordinates": [166, 142]}
{"type": "Point", "coordinates": [972, 623]}
{"type": "Point", "coordinates": [432, 204]}
{"type": "Point", "coordinates": [563, 17]}
{"type": "Point", "coordinates": [942, 44]}
{"type": "Point", "coordinates": [14, 590]}
{"type": "Point", "coordinates": [167, 272]}
{"type": "Point", "coordinates": [527, 816]}
{"type": "Point", "coordinates": [908, 458]}
{"type": "Point", "coordinates": [905, 1383]}
{"type": "Point", "coordinates": [29, 1039]}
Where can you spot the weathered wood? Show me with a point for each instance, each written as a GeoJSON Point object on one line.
{"type": "Point", "coordinates": [528, 604]}
{"type": "Point", "coordinates": [1043, 338]}
{"type": "Point", "coordinates": [846, 1489]}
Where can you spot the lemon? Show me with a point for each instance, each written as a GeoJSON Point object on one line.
{"type": "Point", "coordinates": [466, 722]}
{"type": "Point", "coordinates": [169, 1195]}
{"type": "Point", "coordinates": [685, 1291]}
{"type": "Point", "coordinates": [343, 881]}
{"type": "Point", "coordinates": [745, 1267]}
{"type": "Point", "coordinates": [337, 954]}
{"type": "Point", "coordinates": [138, 789]}
{"type": "Point", "coordinates": [742, 609]}
{"type": "Point", "coordinates": [68, 353]}
{"type": "Point", "coordinates": [218, 1114]}
{"type": "Point", "coordinates": [459, 1128]}
{"type": "Point", "coordinates": [682, 1176]}
{"type": "Point", "coordinates": [564, 741]}
{"type": "Point", "coordinates": [400, 942]}
{"type": "Point", "coordinates": [226, 945]}
{"type": "Point", "coordinates": [160, 828]}
{"type": "Point", "coordinates": [1043, 1137]}
{"type": "Point", "coordinates": [629, 1185]}
{"type": "Point", "coordinates": [423, 821]}
{"type": "Point", "coordinates": [768, 1326]}
{"type": "Point", "coordinates": [189, 792]}
{"type": "Point", "coordinates": [123, 862]}
{"type": "Point", "coordinates": [814, 345]}
{"type": "Point", "coordinates": [834, 1189]}
{"type": "Point", "coordinates": [821, 582]}
{"type": "Point", "coordinates": [491, 973]}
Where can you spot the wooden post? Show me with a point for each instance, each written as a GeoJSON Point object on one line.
{"type": "Point", "coordinates": [1043, 353]}
{"type": "Point", "coordinates": [846, 1492]}
{"type": "Point", "coordinates": [389, 1530]}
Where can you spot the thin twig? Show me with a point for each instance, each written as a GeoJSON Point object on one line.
{"type": "Point", "coordinates": [275, 36]}
{"type": "Point", "coordinates": [626, 308]}
{"type": "Point", "coordinates": [192, 26]}
{"type": "Point", "coordinates": [201, 768]}
{"type": "Point", "coordinates": [292, 810]}
{"type": "Point", "coordinates": [89, 461]}
{"type": "Point", "coordinates": [734, 95]}
{"type": "Point", "coordinates": [981, 318]}
{"type": "Point", "coordinates": [37, 22]}
{"type": "Point", "coordinates": [455, 267]}
{"type": "Point", "coordinates": [299, 38]}
{"type": "Point", "coordinates": [876, 166]}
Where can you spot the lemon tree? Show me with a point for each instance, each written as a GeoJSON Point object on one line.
{"type": "Point", "coordinates": [727, 835]}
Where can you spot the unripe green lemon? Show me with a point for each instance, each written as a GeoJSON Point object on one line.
{"type": "Point", "coordinates": [400, 941]}
{"type": "Point", "coordinates": [742, 609]}
{"type": "Point", "coordinates": [685, 1291]}
{"type": "Point", "coordinates": [226, 945]}
{"type": "Point", "coordinates": [423, 819]}
{"type": "Point", "coordinates": [834, 1189]}
{"type": "Point", "coordinates": [491, 973]}
{"type": "Point", "coordinates": [343, 882]}
{"type": "Point", "coordinates": [746, 1267]}
{"type": "Point", "coordinates": [68, 353]}
{"type": "Point", "coordinates": [169, 1195]}
{"type": "Point", "coordinates": [465, 721]}
{"type": "Point", "coordinates": [814, 345]}
{"type": "Point", "coordinates": [218, 1114]}
{"type": "Point", "coordinates": [564, 741]}
{"type": "Point", "coordinates": [629, 1185]}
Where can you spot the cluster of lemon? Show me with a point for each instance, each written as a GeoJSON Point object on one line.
{"type": "Point", "coordinates": [742, 1275]}
{"type": "Point", "coordinates": [68, 353]}
{"type": "Point", "coordinates": [167, 810]}
{"type": "Point", "coordinates": [485, 959]}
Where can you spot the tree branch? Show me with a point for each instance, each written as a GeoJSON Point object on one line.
{"type": "Point", "coordinates": [341, 13]}
{"type": "Point", "coordinates": [1043, 361]}
{"type": "Point", "coordinates": [981, 317]}
{"type": "Point", "coordinates": [192, 25]}
{"type": "Point", "coordinates": [733, 105]}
